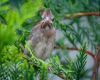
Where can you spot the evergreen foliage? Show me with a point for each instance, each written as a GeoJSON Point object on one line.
{"type": "Point", "coordinates": [17, 17]}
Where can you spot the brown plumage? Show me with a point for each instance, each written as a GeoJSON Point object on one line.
{"type": "Point", "coordinates": [42, 37]}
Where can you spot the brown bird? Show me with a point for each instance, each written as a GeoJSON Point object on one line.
{"type": "Point", "coordinates": [42, 37]}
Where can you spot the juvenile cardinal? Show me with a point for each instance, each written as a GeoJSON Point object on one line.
{"type": "Point", "coordinates": [42, 37]}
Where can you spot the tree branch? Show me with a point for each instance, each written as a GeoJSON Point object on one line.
{"type": "Point", "coordinates": [96, 65]}
{"type": "Point", "coordinates": [75, 15]}
{"type": "Point", "coordinates": [73, 49]}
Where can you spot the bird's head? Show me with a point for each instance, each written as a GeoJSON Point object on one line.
{"type": "Point", "coordinates": [47, 16]}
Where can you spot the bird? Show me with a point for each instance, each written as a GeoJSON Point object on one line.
{"type": "Point", "coordinates": [42, 36]}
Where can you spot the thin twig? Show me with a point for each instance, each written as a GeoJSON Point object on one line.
{"type": "Point", "coordinates": [75, 15]}
{"type": "Point", "coordinates": [73, 49]}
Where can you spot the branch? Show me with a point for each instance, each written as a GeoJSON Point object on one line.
{"type": "Point", "coordinates": [75, 15]}
{"type": "Point", "coordinates": [96, 65]}
{"type": "Point", "coordinates": [73, 49]}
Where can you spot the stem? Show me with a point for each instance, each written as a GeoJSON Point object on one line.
{"type": "Point", "coordinates": [95, 69]}
{"type": "Point", "coordinates": [73, 49]}
{"type": "Point", "coordinates": [87, 52]}
{"type": "Point", "coordinates": [75, 15]}
{"type": "Point", "coordinates": [96, 65]}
